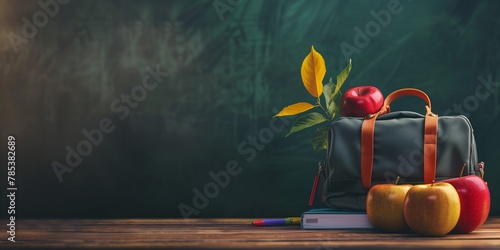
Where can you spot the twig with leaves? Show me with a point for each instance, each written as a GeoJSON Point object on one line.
{"type": "Point", "coordinates": [313, 71]}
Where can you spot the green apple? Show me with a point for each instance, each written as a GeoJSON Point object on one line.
{"type": "Point", "coordinates": [432, 209]}
{"type": "Point", "coordinates": [385, 207]}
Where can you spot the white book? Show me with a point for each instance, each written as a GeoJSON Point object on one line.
{"type": "Point", "coordinates": [326, 218]}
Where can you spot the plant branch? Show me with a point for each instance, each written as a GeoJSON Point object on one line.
{"type": "Point", "coordinates": [326, 112]}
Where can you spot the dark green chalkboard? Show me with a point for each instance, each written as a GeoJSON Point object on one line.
{"type": "Point", "coordinates": [225, 68]}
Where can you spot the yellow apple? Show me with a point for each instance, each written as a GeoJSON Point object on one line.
{"type": "Point", "coordinates": [432, 209]}
{"type": "Point", "coordinates": [385, 207]}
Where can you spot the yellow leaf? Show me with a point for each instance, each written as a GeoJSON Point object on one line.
{"type": "Point", "coordinates": [313, 71]}
{"type": "Point", "coordinates": [296, 108]}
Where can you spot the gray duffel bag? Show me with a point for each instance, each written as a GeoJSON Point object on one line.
{"type": "Point", "coordinates": [417, 148]}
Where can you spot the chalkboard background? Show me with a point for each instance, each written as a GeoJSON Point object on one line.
{"type": "Point", "coordinates": [231, 65]}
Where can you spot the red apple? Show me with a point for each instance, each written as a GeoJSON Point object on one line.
{"type": "Point", "coordinates": [361, 101]}
{"type": "Point", "coordinates": [432, 209]}
{"type": "Point", "coordinates": [474, 202]}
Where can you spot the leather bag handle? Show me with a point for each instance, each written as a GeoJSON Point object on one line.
{"type": "Point", "coordinates": [430, 136]}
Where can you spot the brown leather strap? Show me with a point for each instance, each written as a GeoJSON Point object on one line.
{"type": "Point", "coordinates": [430, 145]}
{"type": "Point", "coordinates": [407, 92]}
{"type": "Point", "coordinates": [367, 136]}
{"type": "Point", "coordinates": [430, 137]}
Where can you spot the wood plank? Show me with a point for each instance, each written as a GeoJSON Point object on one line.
{"type": "Point", "coordinates": [224, 233]}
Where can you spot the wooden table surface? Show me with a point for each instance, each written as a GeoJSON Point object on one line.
{"type": "Point", "coordinates": [223, 233]}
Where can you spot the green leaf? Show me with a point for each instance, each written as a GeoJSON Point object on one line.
{"type": "Point", "coordinates": [341, 79]}
{"type": "Point", "coordinates": [331, 107]}
{"type": "Point", "coordinates": [306, 121]}
{"type": "Point", "coordinates": [320, 138]}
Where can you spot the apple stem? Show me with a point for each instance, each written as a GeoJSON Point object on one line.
{"type": "Point", "coordinates": [359, 93]}
{"type": "Point", "coordinates": [396, 182]}
{"type": "Point", "coordinates": [481, 169]}
{"type": "Point", "coordinates": [463, 167]}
